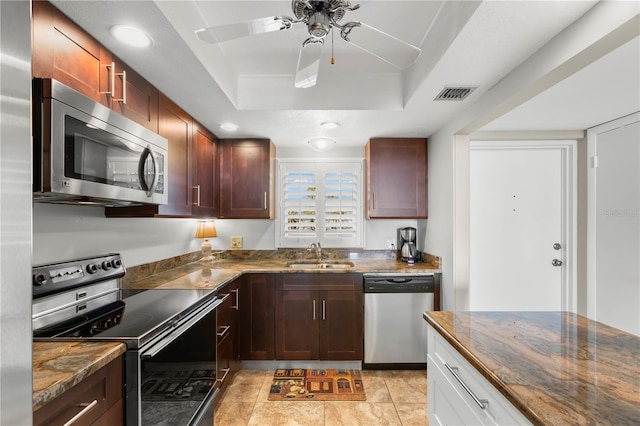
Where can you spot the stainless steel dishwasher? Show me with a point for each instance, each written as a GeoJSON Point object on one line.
{"type": "Point", "coordinates": [395, 334]}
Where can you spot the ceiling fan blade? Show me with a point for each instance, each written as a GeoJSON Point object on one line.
{"type": "Point", "coordinates": [382, 45]}
{"type": "Point", "coordinates": [308, 63]}
{"type": "Point", "coordinates": [221, 33]}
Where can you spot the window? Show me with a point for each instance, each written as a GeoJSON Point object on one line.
{"type": "Point", "coordinates": [320, 202]}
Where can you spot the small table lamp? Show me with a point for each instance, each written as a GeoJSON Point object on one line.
{"type": "Point", "coordinates": [206, 230]}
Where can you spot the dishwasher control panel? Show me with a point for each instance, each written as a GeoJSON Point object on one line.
{"type": "Point", "coordinates": [399, 284]}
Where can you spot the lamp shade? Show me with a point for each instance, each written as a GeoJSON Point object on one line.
{"type": "Point", "coordinates": [321, 144]}
{"type": "Point", "coordinates": [206, 229]}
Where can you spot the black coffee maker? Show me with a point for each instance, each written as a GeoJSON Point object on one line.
{"type": "Point", "coordinates": [407, 242]}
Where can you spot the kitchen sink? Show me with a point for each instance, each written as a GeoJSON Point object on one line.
{"type": "Point", "coordinates": [320, 265]}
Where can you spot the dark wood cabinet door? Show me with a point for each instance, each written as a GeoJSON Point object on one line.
{"type": "Point", "coordinates": [396, 178]}
{"type": "Point", "coordinates": [176, 125]}
{"type": "Point", "coordinates": [297, 314]}
{"type": "Point", "coordinates": [256, 315]}
{"type": "Point", "coordinates": [138, 100]}
{"type": "Point", "coordinates": [63, 51]}
{"type": "Point", "coordinates": [246, 179]}
{"type": "Point", "coordinates": [105, 386]}
{"type": "Point", "coordinates": [341, 325]}
{"type": "Point", "coordinates": [204, 170]}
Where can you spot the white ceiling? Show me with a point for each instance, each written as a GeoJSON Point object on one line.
{"type": "Point", "coordinates": [250, 81]}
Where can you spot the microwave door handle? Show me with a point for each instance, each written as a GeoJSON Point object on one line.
{"type": "Point", "coordinates": [149, 189]}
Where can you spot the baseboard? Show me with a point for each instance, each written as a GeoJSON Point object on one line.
{"type": "Point", "coordinates": [274, 365]}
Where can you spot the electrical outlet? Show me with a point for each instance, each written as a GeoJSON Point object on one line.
{"type": "Point", "coordinates": [390, 243]}
{"type": "Point", "coordinates": [236, 242]}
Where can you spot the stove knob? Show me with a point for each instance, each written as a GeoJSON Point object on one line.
{"type": "Point", "coordinates": [92, 268]}
{"type": "Point", "coordinates": [39, 279]}
{"type": "Point", "coordinates": [116, 263]}
{"type": "Point", "coordinates": [106, 265]}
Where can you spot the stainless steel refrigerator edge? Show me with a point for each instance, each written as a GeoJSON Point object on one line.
{"type": "Point", "coordinates": [16, 389]}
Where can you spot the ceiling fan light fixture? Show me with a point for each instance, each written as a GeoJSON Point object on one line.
{"type": "Point", "coordinates": [321, 144]}
{"type": "Point", "coordinates": [319, 25]}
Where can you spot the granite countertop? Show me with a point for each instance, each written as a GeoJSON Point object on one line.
{"type": "Point", "coordinates": [557, 368]}
{"type": "Point", "coordinates": [203, 275]}
{"type": "Point", "coordinates": [57, 366]}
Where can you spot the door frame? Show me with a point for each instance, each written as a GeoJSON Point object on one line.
{"type": "Point", "coordinates": [592, 154]}
{"type": "Point", "coordinates": [568, 150]}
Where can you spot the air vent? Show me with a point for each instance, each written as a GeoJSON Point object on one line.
{"type": "Point", "coordinates": [454, 93]}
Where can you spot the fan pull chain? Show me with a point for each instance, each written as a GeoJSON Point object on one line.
{"type": "Point", "coordinates": [333, 60]}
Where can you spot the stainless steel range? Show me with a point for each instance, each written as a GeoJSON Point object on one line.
{"type": "Point", "coordinates": [170, 362]}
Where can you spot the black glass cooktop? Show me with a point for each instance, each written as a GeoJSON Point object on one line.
{"type": "Point", "coordinates": [135, 319]}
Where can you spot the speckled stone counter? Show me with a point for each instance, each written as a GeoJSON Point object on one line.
{"type": "Point", "coordinates": [57, 366]}
{"type": "Point", "coordinates": [557, 368]}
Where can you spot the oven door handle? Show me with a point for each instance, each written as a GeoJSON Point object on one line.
{"type": "Point", "coordinates": [178, 329]}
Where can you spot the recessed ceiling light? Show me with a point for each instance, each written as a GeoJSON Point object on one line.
{"type": "Point", "coordinates": [329, 125]}
{"type": "Point", "coordinates": [321, 144]}
{"type": "Point", "coordinates": [130, 35]}
{"type": "Point", "coordinates": [229, 127]}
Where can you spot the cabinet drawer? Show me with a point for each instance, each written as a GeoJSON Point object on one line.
{"type": "Point", "coordinates": [497, 409]}
{"type": "Point", "coordinates": [446, 405]}
{"type": "Point", "coordinates": [320, 281]}
{"type": "Point", "coordinates": [100, 391]}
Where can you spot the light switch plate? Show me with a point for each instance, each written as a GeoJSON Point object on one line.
{"type": "Point", "coordinates": [236, 242]}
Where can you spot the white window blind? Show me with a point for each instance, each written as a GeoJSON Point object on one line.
{"type": "Point", "coordinates": [320, 203]}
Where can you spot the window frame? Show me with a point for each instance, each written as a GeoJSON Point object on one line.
{"type": "Point", "coordinates": [328, 239]}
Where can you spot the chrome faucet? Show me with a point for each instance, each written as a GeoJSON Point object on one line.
{"type": "Point", "coordinates": [317, 248]}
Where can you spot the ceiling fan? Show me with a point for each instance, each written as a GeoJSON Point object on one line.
{"type": "Point", "coordinates": [320, 17]}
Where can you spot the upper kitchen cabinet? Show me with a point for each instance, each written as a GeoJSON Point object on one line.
{"type": "Point", "coordinates": [204, 173]}
{"type": "Point", "coordinates": [246, 179]}
{"type": "Point", "coordinates": [133, 96]}
{"type": "Point", "coordinates": [65, 52]}
{"type": "Point", "coordinates": [396, 178]}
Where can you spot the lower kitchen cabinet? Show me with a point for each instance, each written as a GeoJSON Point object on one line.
{"type": "Point", "coordinates": [257, 317]}
{"type": "Point", "coordinates": [227, 336]}
{"type": "Point", "coordinates": [319, 316]}
{"type": "Point", "coordinates": [98, 398]}
{"type": "Point", "coordinates": [457, 393]}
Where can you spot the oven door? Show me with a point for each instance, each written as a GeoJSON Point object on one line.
{"type": "Point", "coordinates": [176, 374]}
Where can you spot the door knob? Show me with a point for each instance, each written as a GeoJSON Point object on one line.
{"type": "Point", "coordinates": [557, 246]}
{"type": "Point", "coordinates": [556, 262]}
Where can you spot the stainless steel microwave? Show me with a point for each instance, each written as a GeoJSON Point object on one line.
{"type": "Point", "coordinates": [85, 153]}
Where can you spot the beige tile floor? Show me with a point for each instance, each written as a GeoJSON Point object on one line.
{"type": "Point", "coordinates": [393, 398]}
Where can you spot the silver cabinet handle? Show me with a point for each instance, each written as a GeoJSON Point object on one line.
{"type": "Point", "coordinates": [224, 376]}
{"type": "Point", "coordinates": [224, 331]}
{"type": "Point", "coordinates": [197, 188]}
{"type": "Point", "coordinates": [314, 309]}
{"type": "Point", "coordinates": [265, 200]}
{"type": "Point", "coordinates": [237, 305]}
{"type": "Point", "coordinates": [123, 99]}
{"type": "Point", "coordinates": [87, 407]}
{"type": "Point", "coordinates": [556, 262]}
{"type": "Point", "coordinates": [373, 200]}
{"type": "Point", "coordinates": [112, 83]}
{"type": "Point", "coordinates": [481, 402]}
{"type": "Point", "coordinates": [324, 309]}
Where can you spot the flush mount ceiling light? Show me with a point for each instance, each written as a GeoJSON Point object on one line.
{"type": "Point", "coordinates": [229, 127]}
{"type": "Point", "coordinates": [329, 125]}
{"type": "Point", "coordinates": [320, 18]}
{"type": "Point", "coordinates": [130, 35]}
{"type": "Point", "coordinates": [321, 144]}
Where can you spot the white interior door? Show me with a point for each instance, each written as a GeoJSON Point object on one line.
{"type": "Point", "coordinates": [613, 295]}
{"type": "Point", "coordinates": [521, 244]}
